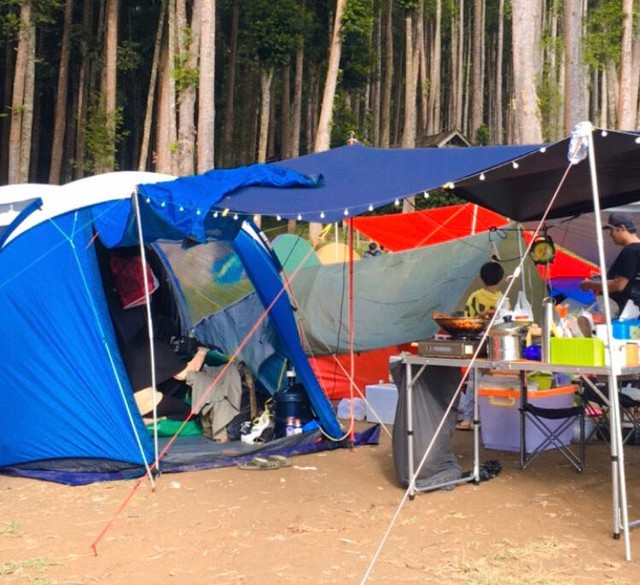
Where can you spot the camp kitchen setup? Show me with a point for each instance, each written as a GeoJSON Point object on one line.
{"type": "Point", "coordinates": [527, 371]}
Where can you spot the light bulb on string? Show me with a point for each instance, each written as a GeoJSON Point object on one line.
{"type": "Point", "coordinates": [543, 149]}
{"type": "Point", "coordinates": [256, 218]}
{"type": "Point", "coordinates": [482, 177]}
{"type": "Point", "coordinates": [396, 202]}
{"type": "Point", "coordinates": [299, 217]}
{"type": "Point", "coordinates": [198, 212]}
{"type": "Point", "coordinates": [235, 216]}
{"type": "Point", "coordinates": [163, 204]}
{"type": "Point", "coordinates": [215, 214]}
{"type": "Point", "coordinates": [515, 164]}
{"type": "Point", "coordinates": [370, 208]}
{"type": "Point", "coordinates": [426, 194]}
{"type": "Point", "coordinates": [322, 216]}
{"type": "Point", "coordinates": [345, 212]}
{"type": "Point", "coordinates": [279, 217]}
{"type": "Point", "coordinates": [603, 133]}
{"type": "Point", "coordinates": [225, 212]}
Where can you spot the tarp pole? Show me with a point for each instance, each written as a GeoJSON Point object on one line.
{"type": "Point", "coordinates": [147, 299]}
{"type": "Point", "coordinates": [352, 362]}
{"type": "Point", "coordinates": [617, 452]}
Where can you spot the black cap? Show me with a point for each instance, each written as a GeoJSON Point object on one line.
{"type": "Point", "coordinates": [620, 219]}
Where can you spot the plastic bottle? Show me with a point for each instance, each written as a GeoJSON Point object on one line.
{"type": "Point", "coordinates": [297, 427]}
{"type": "Point", "coordinates": [290, 428]}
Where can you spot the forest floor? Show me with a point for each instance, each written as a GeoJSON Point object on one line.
{"type": "Point", "coordinates": [332, 517]}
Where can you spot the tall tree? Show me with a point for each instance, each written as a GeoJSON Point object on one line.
{"type": "Point", "coordinates": [627, 102]}
{"type": "Point", "coordinates": [206, 87]}
{"type": "Point", "coordinates": [106, 162]}
{"type": "Point", "coordinates": [477, 89]}
{"type": "Point", "coordinates": [323, 135]}
{"type": "Point", "coordinates": [527, 15]}
{"type": "Point", "coordinates": [60, 115]}
{"type": "Point", "coordinates": [22, 101]}
{"type": "Point", "coordinates": [575, 106]}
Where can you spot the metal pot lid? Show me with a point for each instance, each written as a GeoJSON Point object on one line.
{"type": "Point", "coordinates": [508, 328]}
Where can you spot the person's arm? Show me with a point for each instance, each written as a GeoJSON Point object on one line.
{"type": "Point", "coordinates": [617, 284]}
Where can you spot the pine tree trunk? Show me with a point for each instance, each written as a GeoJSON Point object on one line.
{"type": "Point", "coordinates": [266, 76]}
{"type": "Point", "coordinates": [574, 78]}
{"type": "Point", "coordinates": [296, 118]}
{"type": "Point", "coordinates": [323, 135]}
{"type": "Point", "coordinates": [387, 84]}
{"type": "Point", "coordinates": [22, 100]}
{"type": "Point", "coordinates": [435, 97]}
{"type": "Point", "coordinates": [526, 42]}
{"type": "Point", "coordinates": [206, 88]}
{"type": "Point", "coordinates": [498, 132]}
{"type": "Point", "coordinates": [626, 105]}
{"type": "Point", "coordinates": [188, 43]}
{"type": "Point", "coordinates": [477, 89]}
{"type": "Point", "coordinates": [285, 111]}
{"type": "Point", "coordinates": [60, 115]}
{"type": "Point", "coordinates": [109, 81]}
{"type": "Point", "coordinates": [227, 155]}
{"type": "Point", "coordinates": [148, 118]}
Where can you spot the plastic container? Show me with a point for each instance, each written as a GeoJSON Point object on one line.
{"type": "Point", "coordinates": [382, 401]}
{"type": "Point", "coordinates": [500, 418]}
{"type": "Point", "coordinates": [627, 329]}
{"type": "Point", "coordinates": [577, 351]}
{"type": "Point", "coordinates": [291, 402]}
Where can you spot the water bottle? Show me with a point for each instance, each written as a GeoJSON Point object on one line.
{"type": "Point", "coordinates": [297, 427]}
{"type": "Point", "coordinates": [290, 428]}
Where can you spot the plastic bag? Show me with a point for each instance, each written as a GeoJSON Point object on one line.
{"type": "Point", "coordinates": [522, 310]}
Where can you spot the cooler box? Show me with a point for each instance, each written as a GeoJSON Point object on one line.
{"type": "Point", "coordinates": [382, 400]}
{"type": "Point", "coordinates": [500, 417]}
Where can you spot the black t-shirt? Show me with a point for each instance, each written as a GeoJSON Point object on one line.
{"type": "Point", "coordinates": [626, 265]}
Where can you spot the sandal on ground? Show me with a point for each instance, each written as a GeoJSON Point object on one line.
{"type": "Point", "coordinates": [281, 460]}
{"type": "Point", "coordinates": [258, 464]}
{"type": "Point", "coordinates": [463, 425]}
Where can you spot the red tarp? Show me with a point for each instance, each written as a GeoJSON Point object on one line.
{"type": "Point", "coordinates": [405, 231]}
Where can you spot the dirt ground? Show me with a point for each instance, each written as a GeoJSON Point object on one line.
{"type": "Point", "coordinates": [327, 519]}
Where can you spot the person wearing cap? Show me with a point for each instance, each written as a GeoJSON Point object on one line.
{"type": "Point", "coordinates": [623, 277]}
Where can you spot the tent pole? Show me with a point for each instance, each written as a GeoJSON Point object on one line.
{"type": "Point", "coordinates": [617, 452]}
{"type": "Point", "coordinates": [352, 365]}
{"type": "Point", "coordinates": [147, 299]}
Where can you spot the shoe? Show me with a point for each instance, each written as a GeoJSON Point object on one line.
{"type": "Point", "coordinates": [463, 425]}
{"type": "Point", "coordinates": [585, 324]}
{"type": "Point", "coordinates": [253, 431]}
{"type": "Point", "coordinates": [258, 464]}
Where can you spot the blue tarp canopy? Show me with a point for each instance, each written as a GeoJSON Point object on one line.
{"type": "Point", "coordinates": [352, 178]}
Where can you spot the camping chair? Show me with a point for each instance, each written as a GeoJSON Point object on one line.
{"type": "Point", "coordinates": [597, 408]}
{"type": "Point", "coordinates": [553, 424]}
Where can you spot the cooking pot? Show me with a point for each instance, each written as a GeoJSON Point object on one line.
{"type": "Point", "coordinates": [505, 341]}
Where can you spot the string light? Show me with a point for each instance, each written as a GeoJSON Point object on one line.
{"type": "Point", "coordinates": [163, 204]}
{"type": "Point", "coordinates": [299, 217]}
{"type": "Point", "coordinates": [215, 214]}
{"type": "Point", "coordinates": [396, 202]}
{"type": "Point", "coordinates": [515, 164]}
{"type": "Point", "coordinates": [235, 216]}
{"type": "Point", "coordinates": [279, 217]}
{"type": "Point", "coordinates": [322, 215]}
{"type": "Point", "coordinates": [225, 212]}
{"type": "Point", "coordinates": [603, 133]}
{"type": "Point", "coordinates": [482, 176]}
{"type": "Point", "coordinates": [198, 212]}
{"type": "Point", "coordinates": [181, 208]}
{"type": "Point", "coordinates": [370, 208]}
{"type": "Point", "coordinates": [426, 195]}
{"type": "Point", "coordinates": [543, 149]}
{"type": "Point", "coordinates": [638, 140]}
{"type": "Point", "coordinates": [148, 200]}
{"type": "Point", "coordinates": [345, 212]}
